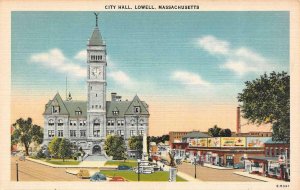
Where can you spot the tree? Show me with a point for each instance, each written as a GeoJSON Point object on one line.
{"type": "Point", "coordinates": [266, 100]}
{"type": "Point", "coordinates": [115, 146]}
{"type": "Point", "coordinates": [54, 146]}
{"type": "Point", "coordinates": [64, 149]}
{"type": "Point", "coordinates": [215, 131]}
{"type": "Point", "coordinates": [25, 133]}
{"type": "Point", "coordinates": [225, 133]}
{"type": "Point", "coordinates": [136, 143]}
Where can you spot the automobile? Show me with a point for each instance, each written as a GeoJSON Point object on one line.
{"type": "Point", "coordinates": [117, 179]}
{"type": "Point", "coordinates": [124, 167]}
{"type": "Point", "coordinates": [83, 174]}
{"type": "Point", "coordinates": [239, 166]}
{"type": "Point", "coordinates": [98, 177]}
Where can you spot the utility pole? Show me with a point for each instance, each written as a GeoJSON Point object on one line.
{"type": "Point", "coordinates": [138, 171]}
{"type": "Point", "coordinates": [195, 167]}
{"type": "Point", "coordinates": [17, 170]}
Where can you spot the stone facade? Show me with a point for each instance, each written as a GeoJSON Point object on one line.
{"type": "Point", "coordinates": [87, 123]}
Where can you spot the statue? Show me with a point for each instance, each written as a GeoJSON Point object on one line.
{"type": "Point", "coordinates": [172, 160]}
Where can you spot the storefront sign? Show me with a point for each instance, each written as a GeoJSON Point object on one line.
{"type": "Point", "coordinates": [202, 142]}
{"type": "Point", "coordinates": [257, 142]}
{"type": "Point", "coordinates": [233, 141]}
{"type": "Point", "coordinates": [192, 142]}
{"type": "Point", "coordinates": [214, 142]}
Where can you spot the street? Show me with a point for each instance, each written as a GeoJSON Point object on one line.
{"type": "Point", "coordinates": [210, 174]}
{"type": "Point", "coordinates": [30, 171]}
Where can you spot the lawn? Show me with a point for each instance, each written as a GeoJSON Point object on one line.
{"type": "Point", "coordinates": [132, 176]}
{"type": "Point", "coordinates": [130, 163]}
{"type": "Point", "coordinates": [60, 161]}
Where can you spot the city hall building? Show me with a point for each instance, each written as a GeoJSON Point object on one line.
{"type": "Point", "coordinates": [87, 123]}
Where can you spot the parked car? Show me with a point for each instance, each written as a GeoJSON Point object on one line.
{"type": "Point", "coordinates": [239, 166]}
{"type": "Point", "coordinates": [124, 167]}
{"type": "Point", "coordinates": [83, 174]}
{"type": "Point", "coordinates": [98, 177]}
{"type": "Point", "coordinates": [117, 179]}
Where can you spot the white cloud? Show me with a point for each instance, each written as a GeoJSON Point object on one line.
{"type": "Point", "coordinates": [214, 45]}
{"type": "Point", "coordinates": [81, 55]}
{"type": "Point", "coordinates": [241, 60]}
{"type": "Point", "coordinates": [54, 59]}
{"type": "Point", "coordinates": [122, 79]}
{"type": "Point", "coordinates": [189, 78]}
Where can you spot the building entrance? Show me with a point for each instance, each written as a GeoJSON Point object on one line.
{"type": "Point", "coordinates": [96, 149]}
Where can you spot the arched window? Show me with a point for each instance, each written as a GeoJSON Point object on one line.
{"type": "Point", "coordinates": [132, 122]}
{"type": "Point", "coordinates": [51, 122]}
{"type": "Point", "coordinates": [96, 122]}
{"type": "Point", "coordinates": [141, 122]}
{"type": "Point", "coordinates": [60, 122]}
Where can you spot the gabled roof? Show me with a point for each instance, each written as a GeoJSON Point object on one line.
{"type": "Point", "coordinates": [57, 101]}
{"type": "Point", "coordinates": [195, 134]}
{"type": "Point", "coordinates": [137, 102]}
{"type": "Point", "coordinates": [96, 38]}
{"type": "Point", "coordinates": [66, 107]}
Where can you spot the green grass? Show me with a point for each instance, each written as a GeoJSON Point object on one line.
{"type": "Point", "coordinates": [60, 161]}
{"type": "Point", "coordinates": [132, 176]}
{"type": "Point", "coordinates": [130, 163]}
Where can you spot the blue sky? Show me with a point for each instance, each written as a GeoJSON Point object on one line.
{"type": "Point", "coordinates": [158, 53]}
{"type": "Point", "coordinates": [178, 58]}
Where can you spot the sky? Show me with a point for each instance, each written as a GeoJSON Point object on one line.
{"type": "Point", "coordinates": [188, 66]}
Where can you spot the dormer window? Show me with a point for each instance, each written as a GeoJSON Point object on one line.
{"type": "Point", "coordinates": [55, 109]}
{"type": "Point", "coordinates": [137, 109]}
{"type": "Point", "coordinates": [115, 112]}
{"type": "Point", "coordinates": [78, 111]}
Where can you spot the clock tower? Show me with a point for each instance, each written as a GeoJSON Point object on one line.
{"type": "Point", "coordinates": [96, 82]}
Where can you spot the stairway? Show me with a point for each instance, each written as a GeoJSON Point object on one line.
{"type": "Point", "coordinates": [95, 160]}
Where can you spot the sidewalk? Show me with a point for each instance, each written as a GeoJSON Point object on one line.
{"type": "Point", "coordinates": [258, 177]}
{"type": "Point", "coordinates": [180, 174]}
{"type": "Point", "coordinates": [216, 167]}
{"type": "Point", "coordinates": [84, 164]}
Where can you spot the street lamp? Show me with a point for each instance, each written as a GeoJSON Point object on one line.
{"type": "Point", "coordinates": [195, 167]}
{"type": "Point", "coordinates": [17, 170]}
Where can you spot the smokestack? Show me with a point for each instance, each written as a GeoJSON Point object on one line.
{"type": "Point", "coordinates": [238, 121]}
{"type": "Point", "coordinates": [113, 96]}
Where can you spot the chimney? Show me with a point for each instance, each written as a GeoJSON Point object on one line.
{"type": "Point", "coordinates": [113, 96]}
{"type": "Point", "coordinates": [238, 121]}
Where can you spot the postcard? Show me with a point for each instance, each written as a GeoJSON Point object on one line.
{"type": "Point", "coordinates": [150, 95]}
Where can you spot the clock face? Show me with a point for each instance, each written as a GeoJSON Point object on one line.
{"type": "Point", "coordinates": [96, 72]}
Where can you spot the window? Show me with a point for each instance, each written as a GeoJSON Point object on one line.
{"type": "Point", "coordinates": [141, 122]}
{"type": "Point", "coordinates": [73, 122]}
{"type": "Point", "coordinates": [132, 133]}
{"type": "Point", "coordinates": [141, 132]}
{"type": "Point", "coordinates": [120, 132]}
{"type": "Point", "coordinates": [97, 133]}
{"type": "Point", "coordinates": [110, 123]}
{"type": "Point", "coordinates": [132, 122]}
{"type": "Point", "coordinates": [137, 109]}
{"type": "Point", "coordinates": [82, 133]}
{"type": "Point", "coordinates": [120, 122]}
{"type": "Point", "coordinates": [50, 133]}
{"type": "Point", "coordinates": [96, 122]}
{"type": "Point", "coordinates": [110, 132]}
{"type": "Point", "coordinates": [77, 112]}
{"type": "Point", "coordinates": [60, 122]}
{"type": "Point", "coordinates": [51, 122]}
{"type": "Point", "coordinates": [115, 112]}
{"type": "Point", "coordinates": [55, 109]}
{"type": "Point", "coordinates": [72, 133]}
{"type": "Point", "coordinates": [60, 133]}
{"type": "Point", "coordinates": [82, 122]}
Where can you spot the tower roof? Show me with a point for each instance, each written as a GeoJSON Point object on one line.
{"type": "Point", "coordinates": [96, 38]}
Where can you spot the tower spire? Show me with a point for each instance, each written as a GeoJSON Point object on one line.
{"type": "Point", "coordinates": [96, 14]}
